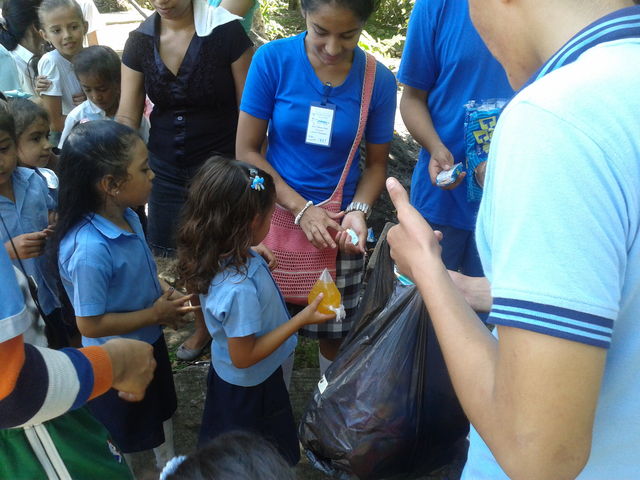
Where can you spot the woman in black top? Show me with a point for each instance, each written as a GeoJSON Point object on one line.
{"type": "Point", "coordinates": [195, 83]}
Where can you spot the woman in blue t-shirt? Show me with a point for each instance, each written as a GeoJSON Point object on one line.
{"type": "Point", "coordinates": [306, 92]}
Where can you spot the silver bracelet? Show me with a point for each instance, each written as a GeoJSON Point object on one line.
{"type": "Point", "coordinates": [301, 213]}
{"type": "Point", "coordinates": [359, 207]}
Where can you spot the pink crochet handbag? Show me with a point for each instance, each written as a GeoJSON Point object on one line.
{"type": "Point", "coordinates": [299, 262]}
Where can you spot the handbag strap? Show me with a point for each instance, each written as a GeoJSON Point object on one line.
{"type": "Point", "coordinates": [367, 90]}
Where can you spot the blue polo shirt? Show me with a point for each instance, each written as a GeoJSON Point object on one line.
{"type": "Point", "coordinates": [13, 313]}
{"type": "Point", "coordinates": [239, 305]}
{"type": "Point", "coordinates": [281, 86]}
{"type": "Point", "coordinates": [105, 269]}
{"type": "Point", "coordinates": [30, 213]}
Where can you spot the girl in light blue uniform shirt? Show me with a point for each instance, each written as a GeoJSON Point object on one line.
{"type": "Point", "coordinates": [228, 210]}
{"type": "Point", "coordinates": [110, 276]}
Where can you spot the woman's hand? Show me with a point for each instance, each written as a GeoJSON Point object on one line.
{"type": "Point", "coordinates": [357, 222]}
{"type": "Point", "coordinates": [266, 253]}
{"type": "Point", "coordinates": [315, 224]}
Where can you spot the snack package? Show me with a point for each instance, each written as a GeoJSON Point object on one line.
{"type": "Point", "coordinates": [332, 301]}
{"type": "Point", "coordinates": [480, 122]}
{"type": "Point", "coordinates": [447, 177]}
{"type": "Point", "coordinates": [353, 236]}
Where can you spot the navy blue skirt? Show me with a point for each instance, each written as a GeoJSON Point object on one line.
{"type": "Point", "coordinates": [264, 409]}
{"type": "Point", "coordinates": [137, 426]}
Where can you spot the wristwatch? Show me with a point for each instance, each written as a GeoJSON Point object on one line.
{"type": "Point", "coordinates": [361, 207]}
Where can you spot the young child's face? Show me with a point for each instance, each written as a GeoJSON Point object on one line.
{"type": "Point", "coordinates": [64, 29]}
{"type": "Point", "coordinates": [135, 191]}
{"type": "Point", "coordinates": [34, 149]}
{"type": "Point", "coordinates": [8, 158]}
{"type": "Point", "coordinates": [102, 93]}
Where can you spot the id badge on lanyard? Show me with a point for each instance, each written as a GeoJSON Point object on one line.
{"type": "Point", "coordinates": [320, 123]}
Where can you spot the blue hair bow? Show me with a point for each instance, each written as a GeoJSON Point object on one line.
{"type": "Point", "coordinates": [257, 182]}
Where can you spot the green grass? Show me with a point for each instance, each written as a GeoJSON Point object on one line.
{"type": "Point", "coordinates": [306, 354]}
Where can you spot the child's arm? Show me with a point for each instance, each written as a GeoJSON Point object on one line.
{"type": "Point", "coordinates": [53, 106]}
{"type": "Point", "coordinates": [164, 311]}
{"type": "Point", "coordinates": [249, 350]}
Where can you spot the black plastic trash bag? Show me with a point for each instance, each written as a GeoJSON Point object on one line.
{"type": "Point", "coordinates": [386, 407]}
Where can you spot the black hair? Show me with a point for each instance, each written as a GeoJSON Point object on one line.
{"type": "Point", "coordinates": [362, 9]}
{"type": "Point", "coordinates": [98, 60]}
{"type": "Point", "coordinates": [91, 151]}
{"type": "Point", "coordinates": [216, 228]}
{"type": "Point", "coordinates": [234, 456]}
{"type": "Point", "coordinates": [18, 15]}
{"type": "Point", "coordinates": [7, 124]}
{"type": "Point", "coordinates": [50, 5]}
{"type": "Point", "coordinates": [25, 112]}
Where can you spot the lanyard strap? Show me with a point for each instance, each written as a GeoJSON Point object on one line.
{"type": "Point", "coordinates": [624, 23]}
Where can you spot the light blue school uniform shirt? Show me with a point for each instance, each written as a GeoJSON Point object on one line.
{"type": "Point", "coordinates": [14, 319]}
{"type": "Point", "coordinates": [30, 213]}
{"type": "Point", "coordinates": [560, 241]}
{"type": "Point", "coordinates": [106, 269]}
{"type": "Point", "coordinates": [281, 85]}
{"type": "Point", "coordinates": [239, 305]}
{"type": "Point", "coordinates": [445, 56]}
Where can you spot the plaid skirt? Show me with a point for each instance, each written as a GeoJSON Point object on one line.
{"type": "Point", "coordinates": [349, 274]}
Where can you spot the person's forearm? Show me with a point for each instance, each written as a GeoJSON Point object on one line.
{"type": "Point", "coordinates": [132, 98]}
{"type": "Point", "coordinates": [111, 324]}
{"type": "Point", "coordinates": [129, 118]}
{"type": "Point", "coordinates": [58, 386]}
{"type": "Point", "coordinates": [515, 426]}
{"type": "Point", "coordinates": [238, 7]}
{"type": "Point", "coordinates": [371, 183]}
{"type": "Point", "coordinates": [417, 118]}
{"type": "Point", "coordinates": [267, 344]}
{"type": "Point", "coordinates": [476, 290]}
{"type": "Point", "coordinates": [459, 330]}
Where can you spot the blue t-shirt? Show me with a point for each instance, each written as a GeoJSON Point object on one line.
{"type": "Point", "coordinates": [239, 305]}
{"type": "Point", "coordinates": [281, 86]}
{"type": "Point", "coordinates": [14, 319]}
{"type": "Point", "coordinates": [445, 56]}
{"type": "Point", "coordinates": [105, 269]}
{"type": "Point", "coordinates": [30, 213]}
{"type": "Point", "coordinates": [560, 240]}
